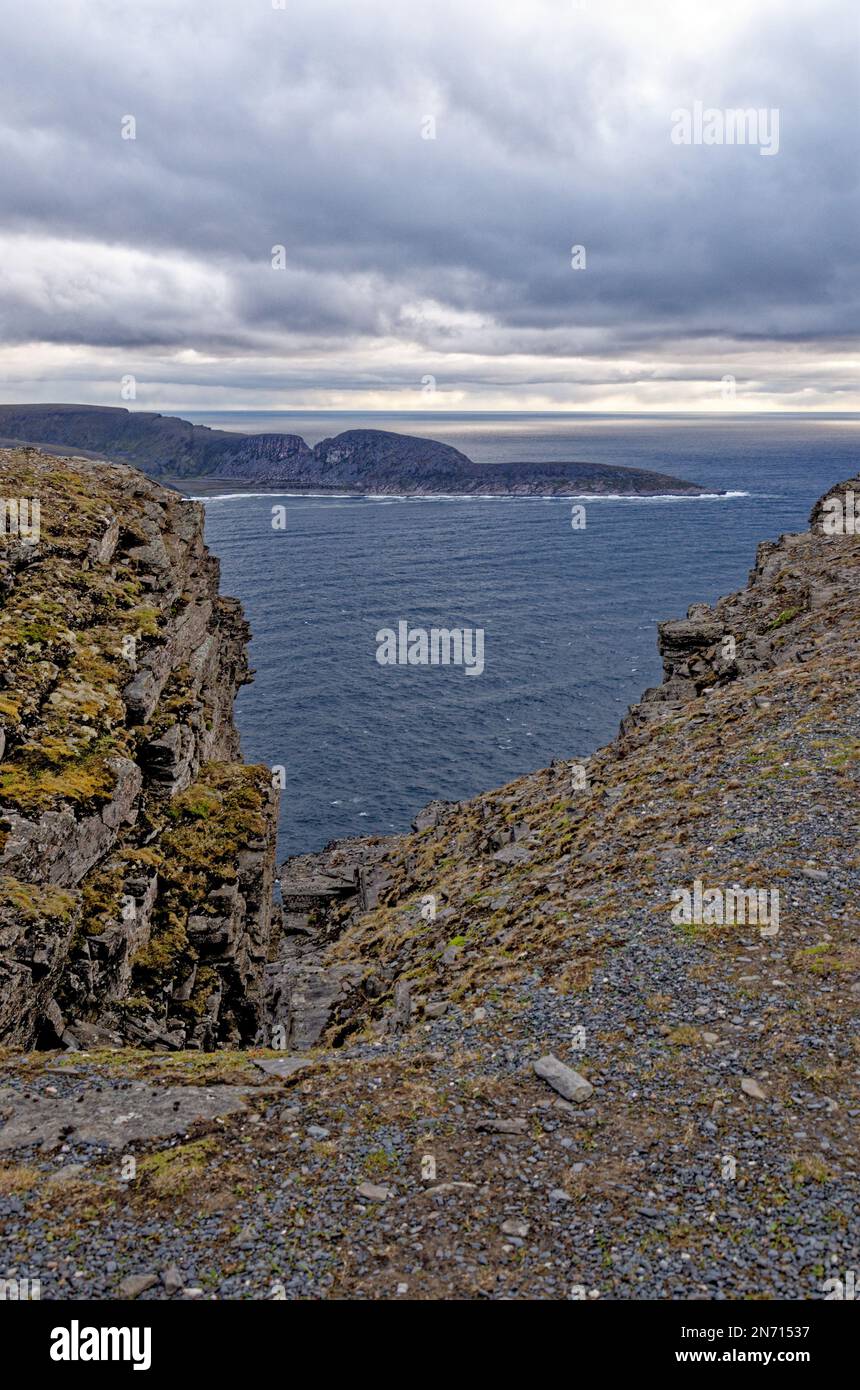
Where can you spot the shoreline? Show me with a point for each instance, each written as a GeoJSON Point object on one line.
{"type": "Point", "coordinates": [207, 489]}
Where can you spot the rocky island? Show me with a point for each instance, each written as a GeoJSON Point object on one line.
{"type": "Point", "coordinates": [361, 461]}
{"type": "Point", "coordinates": [478, 1060]}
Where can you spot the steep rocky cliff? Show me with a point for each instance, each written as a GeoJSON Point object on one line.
{"type": "Point", "coordinates": [136, 849]}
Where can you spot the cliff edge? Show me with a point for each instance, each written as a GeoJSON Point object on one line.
{"type": "Point", "coordinates": [136, 849]}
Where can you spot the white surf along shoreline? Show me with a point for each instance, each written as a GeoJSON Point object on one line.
{"type": "Point", "coordinates": [471, 497]}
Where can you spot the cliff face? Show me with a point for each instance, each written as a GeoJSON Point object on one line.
{"type": "Point", "coordinates": [136, 850]}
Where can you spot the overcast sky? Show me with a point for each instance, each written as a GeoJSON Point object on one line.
{"type": "Point", "coordinates": [412, 261]}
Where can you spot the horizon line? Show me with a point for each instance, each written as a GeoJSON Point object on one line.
{"type": "Point", "coordinates": [427, 413]}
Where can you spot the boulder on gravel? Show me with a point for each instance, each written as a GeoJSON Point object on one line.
{"type": "Point", "coordinates": [563, 1079]}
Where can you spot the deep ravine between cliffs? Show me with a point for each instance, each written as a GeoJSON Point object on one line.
{"type": "Point", "coordinates": [357, 1094]}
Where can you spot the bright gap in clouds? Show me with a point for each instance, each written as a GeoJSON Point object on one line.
{"type": "Point", "coordinates": [411, 258]}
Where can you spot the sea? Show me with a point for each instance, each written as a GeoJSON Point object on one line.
{"type": "Point", "coordinates": [567, 601]}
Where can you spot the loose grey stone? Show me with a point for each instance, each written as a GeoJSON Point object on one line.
{"type": "Point", "coordinates": [69, 1172]}
{"type": "Point", "coordinates": [563, 1079]}
{"type": "Point", "coordinates": [283, 1067]}
{"type": "Point", "coordinates": [752, 1088]}
{"type": "Point", "coordinates": [136, 1284]}
{"type": "Point", "coordinates": [520, 1229]}
{"type": "Point", "coordinates": [373, 1192]}
{"type": "Point", "coordinates": [172, 1280]}
{"type": "Point", "coordinates": [442, 1189]}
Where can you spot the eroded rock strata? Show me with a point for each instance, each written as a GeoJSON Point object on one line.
{"type": "Point", "coordinates": [136, 849]}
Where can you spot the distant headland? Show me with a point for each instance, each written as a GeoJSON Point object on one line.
{"type": "Point", "coordinates": [361, 461]}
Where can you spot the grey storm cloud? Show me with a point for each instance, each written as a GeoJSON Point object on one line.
{"type": "Point", "coordinates": [302, 126]}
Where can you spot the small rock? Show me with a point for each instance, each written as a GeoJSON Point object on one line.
{"type": "Point", "coordinates": [172, 1280]}
{"type": "Point", "coordinates": [69, 1173]}
{"type": "Point", "coordinates": [281, 1066]}
{"type": "Point", "coordinates": [563, 1079]}
{"type": "Point", "coordinates": [520, 1229]}
{"type": "Point", "coordinates": [710, 1037]}
{"type": "Point", "coordinates": [752, 1088]}
{"type": "Point", "coordinates": [317, 1132]}
{"type": "Point", "coordinates": [372, 1192]}
{"type": "Point", "coordinates": [136, 1284]}
{"type": "Point", "coordinates": [442, 1189]}
{"type": "Point", "coordinates": [502, 1126]}
{"type": "Point", "coordinates": [401, 1015]}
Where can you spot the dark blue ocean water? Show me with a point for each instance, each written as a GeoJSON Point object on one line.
{"type": "Point", "coordinates": [569, 615]}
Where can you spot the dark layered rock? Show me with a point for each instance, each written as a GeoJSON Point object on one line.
{"type": "Point", "coordinates": [763, 626]}
{"type": "Point", "coordinates": [305, 995]}
{"type": "Point", "coordinates": [154, 443]}
{"type": "Point", "coordinates": [136, 851]}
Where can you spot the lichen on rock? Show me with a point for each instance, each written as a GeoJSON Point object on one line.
{"type": "Point", "coordinates": [125, 812]}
